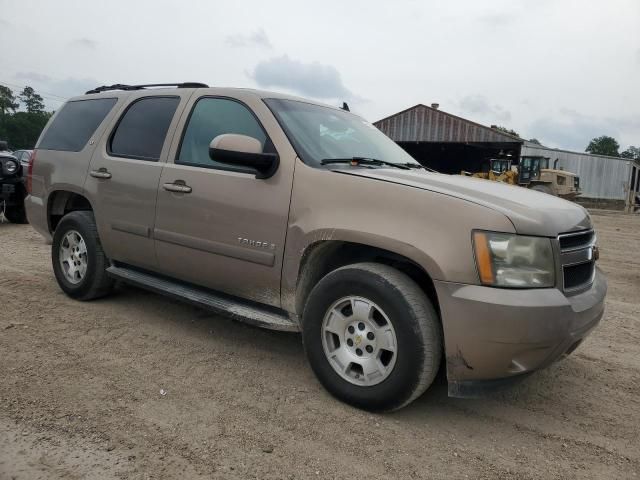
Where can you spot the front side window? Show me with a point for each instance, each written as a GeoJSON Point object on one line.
{"type": "Point", "coordinates": [320, 133]}
{"type": "Point", "coordinates": [141, 131]}
{"type": "Point", "coordinates": [212, 117]}
{"type": "Point", "coordinates": [72, 127]}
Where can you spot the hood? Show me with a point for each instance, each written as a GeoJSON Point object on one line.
{"type": "Point", "coordinates": [531, 212]}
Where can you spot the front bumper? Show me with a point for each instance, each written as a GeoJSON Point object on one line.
{"type": "Point", "coordinates": [11, 191]}
{"type": "Point", "coordinates": [492, 334]}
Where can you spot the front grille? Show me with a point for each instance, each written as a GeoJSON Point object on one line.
{"type": "Point", "coordinates": [576, 276]}
{"type": "Point", "coordinates": [577, 260]}
{"type": "Point", "coordinates": [576, 240]}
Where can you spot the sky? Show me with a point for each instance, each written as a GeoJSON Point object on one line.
{"type": "Point", "coordinates": [561, 71]}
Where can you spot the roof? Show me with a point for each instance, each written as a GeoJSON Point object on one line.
{"type": "Point", "coordinates": [550, 149]}
{"type": "Point", "coordinates": [162, 89]}
{"type": "Point", "coordinates": [425, 124]}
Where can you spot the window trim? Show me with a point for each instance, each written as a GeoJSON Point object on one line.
{"type": "Point", "coordinates": [268, 144]}
{"type": "Point", "coordinates": [126, 110]}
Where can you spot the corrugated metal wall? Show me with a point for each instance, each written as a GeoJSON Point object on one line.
{"type": "Point", "coordinates": [601, 177]}
{"type": "Point", "coordinates": [425, 124]}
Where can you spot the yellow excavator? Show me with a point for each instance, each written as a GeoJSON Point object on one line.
{"type": "Point", "coordinates": [534, 173]}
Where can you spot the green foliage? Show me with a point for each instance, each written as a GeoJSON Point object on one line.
{"type": "Point", "coordinates": [506, 130]}
{"type": "Point", "coordinates": [31, 100]}
{"type": "Point", "coordinates": [7, 100]}
{"type": "Point", "coordinates": [535, 140]}
{"type": "Point", "coordinates": [21, 129]}
{"type": "Point", "coordinates": [632, 153]}
{"type": "Point", "coordinates": [604, 145]}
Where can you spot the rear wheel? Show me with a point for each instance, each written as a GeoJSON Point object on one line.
{"type": "Point", "coordinates": [372, 337]}
{"type": "Point", "coordinates": [79, 263]}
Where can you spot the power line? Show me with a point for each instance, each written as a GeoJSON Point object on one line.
{"type": "Point", "coordinates": [50, 96]}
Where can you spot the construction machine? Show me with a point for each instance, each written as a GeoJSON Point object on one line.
{"type": "Point", "coordinates": [533, 172]}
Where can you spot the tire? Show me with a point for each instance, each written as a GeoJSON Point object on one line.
{"type": "Point", "coordinates": [542, 188]}
{"type": "Point", "coordinates": [16, 215]}
{"type": "Point", "coordinates": [403, 305]}
{"type": "Point", "coordinates": [95, 282]}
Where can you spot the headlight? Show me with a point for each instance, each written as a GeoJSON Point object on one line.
{"type": "Point", "coordinates": [516, 261]}
{"type": "Point", "coordinates": [10, 166]}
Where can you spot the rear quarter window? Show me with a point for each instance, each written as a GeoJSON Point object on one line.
{"type": "Point", "coordinates": [74, 124]}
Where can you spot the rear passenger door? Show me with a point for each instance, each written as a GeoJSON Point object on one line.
{"type": "Point", "coordinates": [125, 169]}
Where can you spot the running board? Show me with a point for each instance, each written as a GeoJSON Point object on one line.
{"type": "Point", "coordinates": [254, 314]}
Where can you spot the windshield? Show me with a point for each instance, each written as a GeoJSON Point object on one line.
{"type": "Point", "coordinates": [321, 133]}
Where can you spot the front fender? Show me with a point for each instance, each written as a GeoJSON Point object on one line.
{"type": "Point", "coordinates": [431, 229]}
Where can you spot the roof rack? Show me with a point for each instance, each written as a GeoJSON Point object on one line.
{"type": "Point", "coordinates": [119, 86]}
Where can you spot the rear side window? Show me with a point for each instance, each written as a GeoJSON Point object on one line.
{"type": "Point", "coordinates": [142, 129]}
{"type": "Point", "coordinates": [74, 124]}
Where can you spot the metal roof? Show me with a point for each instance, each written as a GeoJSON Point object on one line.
{"type": "Point", "coordinates": [425, 124]}
{"type": "Point", "coordinates": [601, 177]}
{"type": "Point", "coordinates": [532, 145]}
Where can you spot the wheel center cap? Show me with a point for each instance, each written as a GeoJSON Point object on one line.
{"type": "Point", "coordinates": [357, 340]}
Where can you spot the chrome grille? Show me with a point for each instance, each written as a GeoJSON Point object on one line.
{"type": "Point", "coordinates": [577, 259]}
{"type": "Point", "coordinates": [576, 240]}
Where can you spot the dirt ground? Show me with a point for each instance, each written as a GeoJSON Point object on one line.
{"type": "Point", "coordinates": [80, 393]}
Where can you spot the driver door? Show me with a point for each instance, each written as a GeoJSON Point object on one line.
{"type": "Point", "coordinates": [224, 229]}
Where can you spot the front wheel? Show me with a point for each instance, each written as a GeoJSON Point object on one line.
{"type": "Point", "coordinates": [372, 336]}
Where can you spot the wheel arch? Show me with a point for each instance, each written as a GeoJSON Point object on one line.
{"type": "Point", "coordinates": [324, 256]}
{"type": "Point", "coordinates": [60, 202]}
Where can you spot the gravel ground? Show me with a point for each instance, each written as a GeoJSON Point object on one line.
{"type": "Point", "coordinates": [80, 393]}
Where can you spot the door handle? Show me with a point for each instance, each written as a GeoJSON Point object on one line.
{"type": "Point", "coordinates": [100, 173]}
{"type": "Point", "coordinates": [177, 187]}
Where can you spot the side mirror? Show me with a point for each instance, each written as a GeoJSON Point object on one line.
{"type": "Point", "coordinates": [243, 151]}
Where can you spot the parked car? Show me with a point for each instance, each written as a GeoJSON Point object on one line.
{"type": "Point", "coordinates": [23, 157]}
{"type": "Point", "coordinates": [297, 216]}
{"type": "Point", "coordinates": [12, 188]}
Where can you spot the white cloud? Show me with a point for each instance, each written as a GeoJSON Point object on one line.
{"type": "Point", "coordinates": [258, 38]}
{"type": "Point", "coordinates": [573, 130]}
{"type": "Point", "coordinates": [311, 79]}
{"type": "Point", "coordinates": [479, 105]}
{"type": "Point", "coordinates": [478, 59]}
{"type": "Point", "coordinates": [83, 42]}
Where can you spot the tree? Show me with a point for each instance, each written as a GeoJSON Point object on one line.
{"type": "Point", "coordinates": [32, 101]}
{"type": "Point", "coordinates": [604, 145]}
{"type": "Point", "coordinates": [632, 153]}
{"type": "Point", "coordinates": [22, 129]}
{"type": "Point", "coordinates": [7, 100]}
{"type": "Point", "coordinates": [535, 140]}
{"type": "Point", "coordinates": [506, 130]}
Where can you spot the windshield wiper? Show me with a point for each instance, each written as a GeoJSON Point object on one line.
{"type": "Point", "coordinates": [355, 161]}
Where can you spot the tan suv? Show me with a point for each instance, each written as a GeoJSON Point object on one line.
{"type": "Point", "coordinates": [297, 216]}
